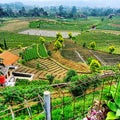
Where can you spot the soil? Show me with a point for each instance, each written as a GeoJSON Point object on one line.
{"type": "Point", "coordinates": [70, 47]}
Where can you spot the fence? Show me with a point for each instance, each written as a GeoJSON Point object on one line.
{"type": "Point", "coordinates": [71, 101]}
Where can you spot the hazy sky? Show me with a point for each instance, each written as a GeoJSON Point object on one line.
{"type": "Point", "coordinates": [92, 3]}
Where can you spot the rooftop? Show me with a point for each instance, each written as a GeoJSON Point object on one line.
{"type": "Point", "coordinates": [8, 58]}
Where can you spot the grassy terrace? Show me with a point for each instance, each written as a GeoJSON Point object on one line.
{"type": "Point", "coordinates": [103, 40]}
{"type": "Point", "coordinates": [14, 39]}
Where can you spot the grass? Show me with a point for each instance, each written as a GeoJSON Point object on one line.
{"type": "Point", "coordinates": [103, 40]}
{"type": "Point", "coordinates": [77, 25]}
{"type": "Point", "coordinates": [14, 39]}
{"type": "Point", "coordinates": [71, 25]}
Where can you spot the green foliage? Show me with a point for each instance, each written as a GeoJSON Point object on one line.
{"type": "Point", "coordinates": [34, 52]}
{"type": "Point", "coordinates": [38, 65]}
{"type": "Point", "coordinates": [94, 66]}
{"type": "Point", "coordinates": [70, 35]}
{"type": "Point", "coordinates": [19, 46]}
{"type": "Point", "coordinates": [57, 45]}
{"type": "Point", "coordinates": [61, 40]}
{"type": "Point", "coordinates": [49, 53]}
{"type": "Point", "coordinates": [89, 60]}
{"type": "Point", "coordinates": [78, 87]}
{"type": "Point", "coordinates": [111, 49]}
{"type": "Point", "coordinates": [5, 45]}
{"type": "Point", "coordinates": [114, 103]}
{"type": "Point", "coordinates": [50, 78]}
{"type": "Point", "coordinates": [84, 45]}
{"type": "Point", "coordinates": [93, 45]}
{"type": "Point", "coordinates": [69, 75]}
{"type": "Point", "coordinates": [42, 40]}
{"type": "Point", "coordinates": [58, 35]}
{"type": "Point", "coordinates": [1, 50]}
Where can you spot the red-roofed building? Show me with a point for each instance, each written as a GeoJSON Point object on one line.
{"type": "Point", "coordinates": [8, 58]}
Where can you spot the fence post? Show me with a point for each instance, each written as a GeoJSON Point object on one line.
{"type": "Point", "coordinates": [47, 105]}
{"type": "Point", "coordinates": [12, 113]}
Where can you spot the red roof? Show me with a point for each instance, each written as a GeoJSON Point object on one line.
{"type": "Point", "coordinates": [8, 58]}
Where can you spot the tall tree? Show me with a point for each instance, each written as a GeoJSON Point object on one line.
{"type": "Point", "coordinates": [5, 45]}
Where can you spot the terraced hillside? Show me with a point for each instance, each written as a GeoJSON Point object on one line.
{"type": "Point", "coordinates": [47, 66]}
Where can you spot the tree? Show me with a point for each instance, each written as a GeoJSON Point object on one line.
{"type": "Point", "coordinates": [70, 74]}
{"type": "Point", "coordinates": [93, 45]}
{"type": "Point", "coordinates": [61, 40]}
{"type": "Point", "coordinates": [57, 45]}
{"type": "Point", "coordinates": [42, 39]}
{"type": "Point", "coordinates": [58, 35]}
{"type": "Point", "coordinates": [70, 35]}
{"type": "Point", "coordinates": [94, 66]}
{"type": "Point", "coordinates": [111, 49]}
{"type": "Point", "coordinates": [73, 11]}
{"type": "Point", "coordinates": [61, 10]}
{"type": "Point", "coordinates": [1, 50]}
{"type": "Point", "coordinates": [5, 45]}
{"type": "Point", "coordinates": [50, 78]}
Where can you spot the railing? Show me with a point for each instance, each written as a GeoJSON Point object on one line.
{"type": "Point", "coordinates": [66, 104]}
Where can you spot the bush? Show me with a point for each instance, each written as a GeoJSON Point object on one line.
{"type": "Point", "coordinates": [94, 66]}
{"type": "Point", "coordinates": [58, 35]}
{"type": "Point", "coordinates": [84, 45]}
{"type": "Point", "coordinates": [93, 45]}
{"type": "Point", "coordinates": [69, 75]}
{"type": "Point", "coordinates": [1, 50]}
{"type": "Point", "coordinates": [50, 78]}
{"type": "Point", "coordinates": [89, 60]}
{"type": "Point", "coordinates": [57, 45]}
{"type": "Point", "coordinates": [111, 49]}
{"type": "Point", "coordinates": [42, 40]}
{"type": "Point", "coordinates": [70, 35]}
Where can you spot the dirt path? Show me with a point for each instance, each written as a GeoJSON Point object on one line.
{"type": "Point", "coordinates": [48, 33]}
{"type": "Point", "coordinates": [80, 56]}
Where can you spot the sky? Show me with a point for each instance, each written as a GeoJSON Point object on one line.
{"type": "Point", "coordinates": [89, 3]}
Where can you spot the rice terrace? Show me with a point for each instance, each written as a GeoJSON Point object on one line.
{"type": "Point", "coordinates": [59, 62]}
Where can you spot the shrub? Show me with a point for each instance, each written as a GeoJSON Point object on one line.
{"type": "Point", "coordinates": [94, 66]}
{"type": "Point", "coordinates": [114, 103]}
{"type": "Point", "coordinates": [70, 35]}
{"type": "Point", "coordinates": [42, 40]}
{"type": "Point", "coordinates": [19, 46]}
{"type": "Point", "coordinates": [57, 45]}
{"type": "Point", "coordinates": [38, 65]}
{"type": "Point", "coordinates": [84, 45]}
{"type": "Point", "coordinates": [69, 75]}
{"type": "Point", "coordinates": [49, 53]}
{"type": "Point", "coordinates": [111, 49]}
{"type": "Point", "coordinates": [58, 35]}
{"type": "Point", "coordinates": [61, 40]}
{"type": "Point", "coordinates": [93, 45]}
{"type": "Point", "coordinates": [89, 60]}
{"type": "Point", "coordinates": [50, 78]}
{"type": "Point", "coordinates": [1, 50]}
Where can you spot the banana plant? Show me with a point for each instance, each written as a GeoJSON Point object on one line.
{"type": "Point", "coordinates": [114, 104]}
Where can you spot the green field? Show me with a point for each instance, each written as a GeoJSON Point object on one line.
{"type": "Point", "coordinates": [13, 40]}
{"type": "Point", "coordinates": [103, 40]}
{"type": "Point", "coordinates": [77, 25]}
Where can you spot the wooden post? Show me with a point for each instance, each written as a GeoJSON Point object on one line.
{"type": "Point", "coordinates": [12, 113]}
{"type": "Point", "coordinates": [47, 105]}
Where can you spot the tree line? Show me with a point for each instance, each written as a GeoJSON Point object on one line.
{"type": "Point", "coordinates": [60, 12]}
